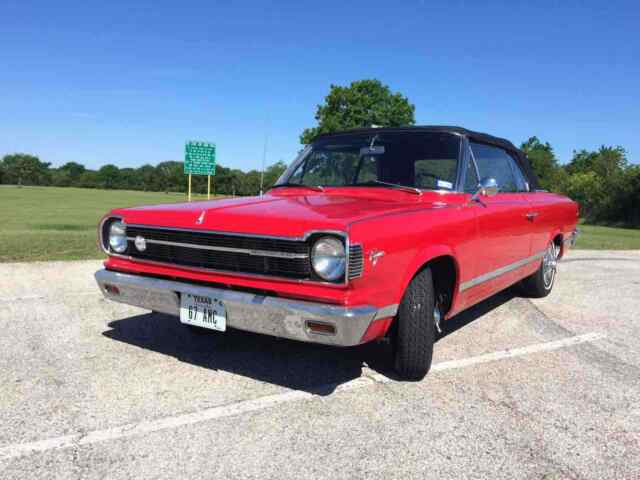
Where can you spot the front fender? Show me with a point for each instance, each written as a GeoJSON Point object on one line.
{"type": "Point", "coordinates": [422, 258]}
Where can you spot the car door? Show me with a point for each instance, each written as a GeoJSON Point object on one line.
{"type": "Point", "coordinates": [504, 233]}
{"type": "Point", "coordinates": [543, 219]}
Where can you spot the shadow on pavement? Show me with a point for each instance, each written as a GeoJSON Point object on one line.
{"type": "Point", "coordinates": [313, 368]}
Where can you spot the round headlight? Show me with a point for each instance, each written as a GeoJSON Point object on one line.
{"type": "Point", "coordinates": [328, 258]}
{"type": "Point", "coordinates": [118, 237]}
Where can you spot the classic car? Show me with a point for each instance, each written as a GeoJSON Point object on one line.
{"type": "Point", "coordinates": [377, 233]}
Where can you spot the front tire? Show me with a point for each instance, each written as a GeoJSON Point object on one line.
{"type": "Point", "coordinates": [415, 328]}
{"type": "Point", "coordinates": [540, 284]}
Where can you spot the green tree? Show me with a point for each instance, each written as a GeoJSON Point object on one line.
{"type": "Point", "coordinates": [89, 179]}
{"type": "Point", "coordinates": [73, 170]}
{"type": "Point", "coordinates": [147, 174]}
{"type": "Point", "coordinates": [587, 189]}
{"type": "Point", "coordinates": [272, 173]}
{"type": "Point", "coordinates": [606, 161]}
{"type": "Point", "coordinates": [544, 163]}
{"type": "Point", "coordinates": [170, 175]}
{"type": "Point", "coordinates": [129, 179]}
{"type": "Point", "coordinates": [361, 104]}
{"type": "Point", "coordinates": [250, 184]}
{"type": "Point", "coordinates": [109, 176]}
{"type": "Point", "coordinates": [25, 169]}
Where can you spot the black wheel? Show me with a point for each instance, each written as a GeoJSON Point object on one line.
{"type": "Point", "coordinates": [541, 282]}
{"type": "Point", "coordinates": [415, 328]}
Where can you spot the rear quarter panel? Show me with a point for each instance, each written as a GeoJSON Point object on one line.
{"type": "Point", "coordinates": [557, 215]}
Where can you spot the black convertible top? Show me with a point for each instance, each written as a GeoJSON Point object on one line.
{"type": "Point", "coordinates": [479, 137]}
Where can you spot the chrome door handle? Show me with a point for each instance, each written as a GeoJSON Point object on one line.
{"type": "Point", "coordinates": [532, 215]}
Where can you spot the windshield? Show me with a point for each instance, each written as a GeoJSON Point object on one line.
{"type": "Point", "coordinates": [423, 160]}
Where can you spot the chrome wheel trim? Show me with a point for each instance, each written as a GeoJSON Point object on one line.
{"type": "Point", "coordinates": [550, 265]}
{"type": "Point", "coordinates": [437, 317]}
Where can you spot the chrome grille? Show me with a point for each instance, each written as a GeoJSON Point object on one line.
{"type": "Point", "coordinates": [233, 242]}
{"type": "Point", "coordinates": [215, 251]}
{"type": "Point", "coordinates": [356, 261]}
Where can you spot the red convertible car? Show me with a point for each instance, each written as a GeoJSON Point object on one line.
{"type": "Point", "coordinates": [370, 233]}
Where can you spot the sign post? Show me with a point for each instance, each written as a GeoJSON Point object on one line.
{"type": "Point", "coordinates": [200, 159]}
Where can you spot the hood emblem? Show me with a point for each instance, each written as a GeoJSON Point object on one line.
{"type": "Point", "coordinates": [201, 217]}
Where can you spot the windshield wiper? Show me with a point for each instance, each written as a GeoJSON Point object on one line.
{"type": "Point", "coordinates": [414, 190]}
{"type": "Point", "coordinates": [316, 188]}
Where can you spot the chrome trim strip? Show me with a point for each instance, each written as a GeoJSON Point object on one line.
{"type": "Point", "coordinates": [260, 253]}
{"type": "Point", "coordinates": [485, 277]}
{"type": "Point", "coordinates": [346, 257]}
{"type": "Point", "coordinates": [280, 317]}
{"type": "Point", "coordinates": [239, 234]}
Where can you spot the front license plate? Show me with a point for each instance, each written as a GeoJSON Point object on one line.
{"type": "Point", "coordinates": [203, 311]}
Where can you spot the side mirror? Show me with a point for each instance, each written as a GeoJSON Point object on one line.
{"type": "Point", "coordinates": [488, 187]}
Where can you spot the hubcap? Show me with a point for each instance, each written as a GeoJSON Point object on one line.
{"type": "Point", "coordinates": [550, 265]}
{"type": "Point", "coordinates": [437, 316]}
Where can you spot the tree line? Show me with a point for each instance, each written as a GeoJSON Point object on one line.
{"type": "Point", "coordinates": [24, 169]}
{"type": "Point", "coordinates": [602, 181]}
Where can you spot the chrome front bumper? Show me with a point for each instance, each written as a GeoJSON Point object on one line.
{"type": "Point", "coordinates": [246, 311]}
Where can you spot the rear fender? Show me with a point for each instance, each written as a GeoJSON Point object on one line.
{"type": "Point", "coordinates": [554, 233]}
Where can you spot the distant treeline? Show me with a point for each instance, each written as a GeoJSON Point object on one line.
{"type": "Point", "coordinates": [24, 169]}
{"type": "Point", "coordinates": [603, 181]}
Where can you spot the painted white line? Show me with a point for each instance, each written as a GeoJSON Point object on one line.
{"type": "Point", "coordinates": [262, 403]}
{"type": "Point", "coordinates": [504, 354]}
{"type": "Point", "coordinates": [45, 297]}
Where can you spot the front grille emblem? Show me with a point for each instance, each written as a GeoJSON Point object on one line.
{"type": "Point", "coordinates": [201, 217]}
{"type": "Point", "coordinates": [140, 243]}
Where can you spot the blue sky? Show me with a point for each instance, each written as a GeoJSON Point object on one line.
{"type": "Point", "coordinates": [128, 82]}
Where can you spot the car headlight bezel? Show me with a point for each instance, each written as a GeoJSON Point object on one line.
{"type": "Point", "coordinates": [119, 245]}
{"type": "Point", "coordinates": [117, 236]}
{"type": "Point", "coordinates": [329, 258]}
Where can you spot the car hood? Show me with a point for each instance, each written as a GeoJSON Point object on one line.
{"type": "Point", "coordinates": [280, 214]}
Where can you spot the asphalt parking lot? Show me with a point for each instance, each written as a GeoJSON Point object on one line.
{"type": "Point", "coordinates": [521, 388]}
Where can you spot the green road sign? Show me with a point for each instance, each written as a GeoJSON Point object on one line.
{"type": "Point", "coordinates": [200, 158]}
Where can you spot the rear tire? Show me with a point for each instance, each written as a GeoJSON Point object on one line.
{"type": "Point", "coordinates": [540, 284]}
{"type": "Point", "coordinates": [415, 328]}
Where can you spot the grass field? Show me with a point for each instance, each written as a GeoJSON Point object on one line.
{"type": "Point", "coordinates": [48, 223]}
{"type": "Point", "coordinates": [594, 237]}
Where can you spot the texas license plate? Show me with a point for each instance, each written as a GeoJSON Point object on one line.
{"type": "Point", "coordinates": [203, 311]}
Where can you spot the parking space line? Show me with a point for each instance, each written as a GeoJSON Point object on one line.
{"type": "Point", "coordinates": [505, 354]}
{"type": "Point", "coordinates": [262, 403]}
{"type": "Point", "coordinates": [48, 297]}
